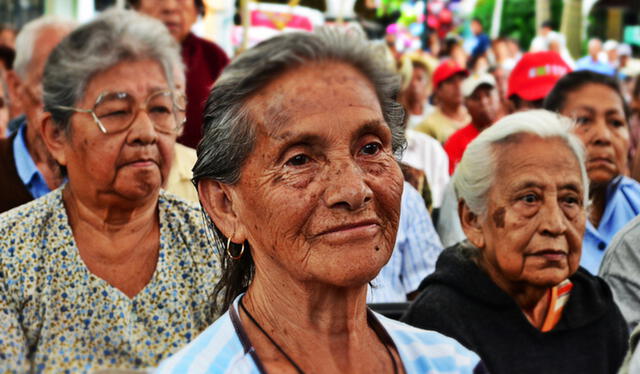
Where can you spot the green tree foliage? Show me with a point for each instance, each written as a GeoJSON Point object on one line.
{"type": "Point", "coordinates": [518, 18]}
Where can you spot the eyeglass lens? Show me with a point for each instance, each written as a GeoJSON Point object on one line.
{"type": "Point", "coordinates": [116, 111]}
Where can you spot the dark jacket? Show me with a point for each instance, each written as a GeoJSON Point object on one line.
{"type": "Point", "coordinates": [204, 62]}
{"type": "Point", "coordinates": [13, 192]}
{"type": "Point", "coordinates": [461, 301]}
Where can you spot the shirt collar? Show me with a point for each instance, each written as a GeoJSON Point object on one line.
{"type": "Point", "coordinates": [27, 169]}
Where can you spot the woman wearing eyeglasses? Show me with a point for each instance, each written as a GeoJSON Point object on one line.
{"type": "Point", "coordinates": [108, 271]}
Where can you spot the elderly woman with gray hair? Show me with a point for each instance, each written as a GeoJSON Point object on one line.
{"type": "Point", "coordinates": [298, 173]}
{"type": "Point", "coordinates": [108, 271]}
{"type": "Point", "coordinates": [514, 292]}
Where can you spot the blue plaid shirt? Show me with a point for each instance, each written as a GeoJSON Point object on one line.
{"type": "Point", "coordinates": [414, 256]}
{"type": "Point", "coordinates": [219, 349]}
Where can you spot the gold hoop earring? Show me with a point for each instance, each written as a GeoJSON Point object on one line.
{"type": "Point", "coordinates": [239, 256]}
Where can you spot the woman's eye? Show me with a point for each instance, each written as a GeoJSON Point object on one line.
{"type": "Point", "coordinates": [298, 160]}
{"type": "Point", "coordinates": [529, 198]}
{"type": "Point", "coordinates": [573, 200]}
{"type": "Point", "coordinates": [617, 123]}
{"type": "Point", "coordinates": [371, 148]}
{"type": "Point", "coordinates": [581, 120]}
{"type": "Point", "coordinates": [114, 113]}
{"type": "Point", "coordinates": [161, 109]}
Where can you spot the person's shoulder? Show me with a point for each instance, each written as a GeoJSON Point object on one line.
{"type": "Point", "coordinates": [215, 350]}
{"type": "Point", "coordinates": [178, 209]}
{"type": "Point", "coordinates": [622, 247]}
{"type": "Point", "coordinates": [209, 48]}
{"type": "Point", "coordinates": [428, 350]}
{"type": "Point", "coordinates": [26, 219]}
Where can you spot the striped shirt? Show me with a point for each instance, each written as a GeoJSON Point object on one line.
{"type": "Point", "coordinates": [224, 348]}
{"type": "Point", "coordinates": [414, 257]}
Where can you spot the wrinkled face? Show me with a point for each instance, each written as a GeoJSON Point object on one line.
{"type": "Point", "coordinates": [177, 15]}
{"type": "Point", "coordinates": [532, 234]}
{"type": "Point", "coordinates": [602, 127]}
{"type": "Point", "coordinates": [319, 196]}
{"type": "Point", "coordinates": [4, 111]}
{"type": "Point", "coordinates": [483, 105]}
{"type": "Point", "coordinates": [131, 164]}
{"type": "Point", "coordinates": [450, 90]}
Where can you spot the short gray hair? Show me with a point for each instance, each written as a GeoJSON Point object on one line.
{"type": "Point", "coordinates": [113, 37]}
{"type": "Point", "coordinates": [26, 40]}
{"type": "Point", "coordinates": [229, 128]}
{"type": "Point", "coordinates": [228, 134]}
{"type": "Point", "coordinates": [475, 173]}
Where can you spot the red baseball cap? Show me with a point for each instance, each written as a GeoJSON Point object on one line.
{"type": "Point", "coordinates": [446, 70]}
{"type": "Point", "coordinates": [535, 74]}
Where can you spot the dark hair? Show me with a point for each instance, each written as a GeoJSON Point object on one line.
{"type": "Point", "coordinates": [547, 24]}
{"type": "Point", "coordinates": [518, 102]}
{"type": "Point", "coordinates": [7, 55]}
{"type": "Point", "coordinates": [135, 4]}
{"type": "Point", "coordinates": [556, 99]}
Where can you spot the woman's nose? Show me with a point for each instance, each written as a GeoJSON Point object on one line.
{"type": "Point", "coordinates": [601, 133]}
{"type": "Point", "coordinates": [142, 129]}
{"type": "Point", "coordinates": [552, 219]}
{"type": "Point", "coordinates": [346, 186]}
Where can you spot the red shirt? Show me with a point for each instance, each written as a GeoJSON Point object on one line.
{"type": "Point", "coordinates": [203, 61]}
{"type": "Point", "coordinates": [457, 143]}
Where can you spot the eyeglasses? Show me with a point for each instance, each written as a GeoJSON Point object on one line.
{"type": "Point", "coordinates": [114, 112]}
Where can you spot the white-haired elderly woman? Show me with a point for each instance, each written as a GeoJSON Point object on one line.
{"type": "Point", "coordinates": [107, 271]}
{"type": "Point", "coordinates": [297, 171]}
{"type": "Point", "coordinates": [514, 292]}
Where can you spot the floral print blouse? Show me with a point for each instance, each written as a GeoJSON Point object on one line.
{"type": "Point", "coordinates": [56, 316]}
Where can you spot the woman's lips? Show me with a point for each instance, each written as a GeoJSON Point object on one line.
{"type": "Point", "coordinates": [551, 255]}
{"type": "Point", "coordinates": [351, 231]}
{"type": "Point", "coordinates": [141, 163]}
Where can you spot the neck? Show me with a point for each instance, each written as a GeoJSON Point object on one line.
{"type": "Point", "coordinates": [308, 307]}
{"type": "Point", "coordinates": [298, 316]}
{"type": "Point", "coordinates": [451, 110]}
{"type": "Point", "coordinates": [415, 106]}
{"type": "Point", "coordinates": [598, 195]}
{"type": "Point", "coordinates": [532, 300]}
{"type": "Point", "coordinates": [40, 155]}
{"type": "Point", "coordinates": [110, 223]}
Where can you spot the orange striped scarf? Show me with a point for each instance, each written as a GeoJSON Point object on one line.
{"type": "Point", "coordinates": [558, 297]}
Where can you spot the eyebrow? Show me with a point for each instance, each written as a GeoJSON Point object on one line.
{"type": "Point", "coordinates": [289, 139]}
{"type": "Point", "coordinates": [529, 184]}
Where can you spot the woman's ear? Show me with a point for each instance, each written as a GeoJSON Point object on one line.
{"type": "Point", "coordinates": [54, 138]}
{"type": "Point", "coordinates": [217, 199]}
{"type": "Point", "coordinates": [471, 225]}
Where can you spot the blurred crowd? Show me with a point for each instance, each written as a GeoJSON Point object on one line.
{"type": "Point", "coordinates": [498, 184]}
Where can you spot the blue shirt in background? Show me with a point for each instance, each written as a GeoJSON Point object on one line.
{"type": "Point", "coordinates": [27, 170]}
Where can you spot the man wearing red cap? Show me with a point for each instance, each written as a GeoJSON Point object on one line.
{"type": "Point", "coordinates": [450, 113]}
{"type": "Point", "coordinates": [483, 103]}
{"type": "Point", "coordinates": [532, 79]}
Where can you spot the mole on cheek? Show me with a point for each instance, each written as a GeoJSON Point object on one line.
{"type": "Point", "coordinates": [498, 217]}
{"type": "Point", "coordinates": [377, 248]}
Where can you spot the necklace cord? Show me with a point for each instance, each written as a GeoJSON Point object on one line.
{"type": "Point", "coordinates": [293, 363]}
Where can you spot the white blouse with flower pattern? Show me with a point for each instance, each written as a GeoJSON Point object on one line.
{"type": "Point", "coordinates": [56, 316]}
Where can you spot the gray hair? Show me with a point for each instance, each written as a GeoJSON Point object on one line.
{"type": "Point", "coordinates": [228, 134]}
{"type": "Point", "coordinates": [113, 37]}
{"type": "Point", "coordinates": [229, 127]}
{"type": "Point", "coordinates": [26, 40]}
{"type": "Point", "coordinates": [476, 171]}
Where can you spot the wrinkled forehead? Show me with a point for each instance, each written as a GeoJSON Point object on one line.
{"type": "Point", "coordinates": [308, 90]}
